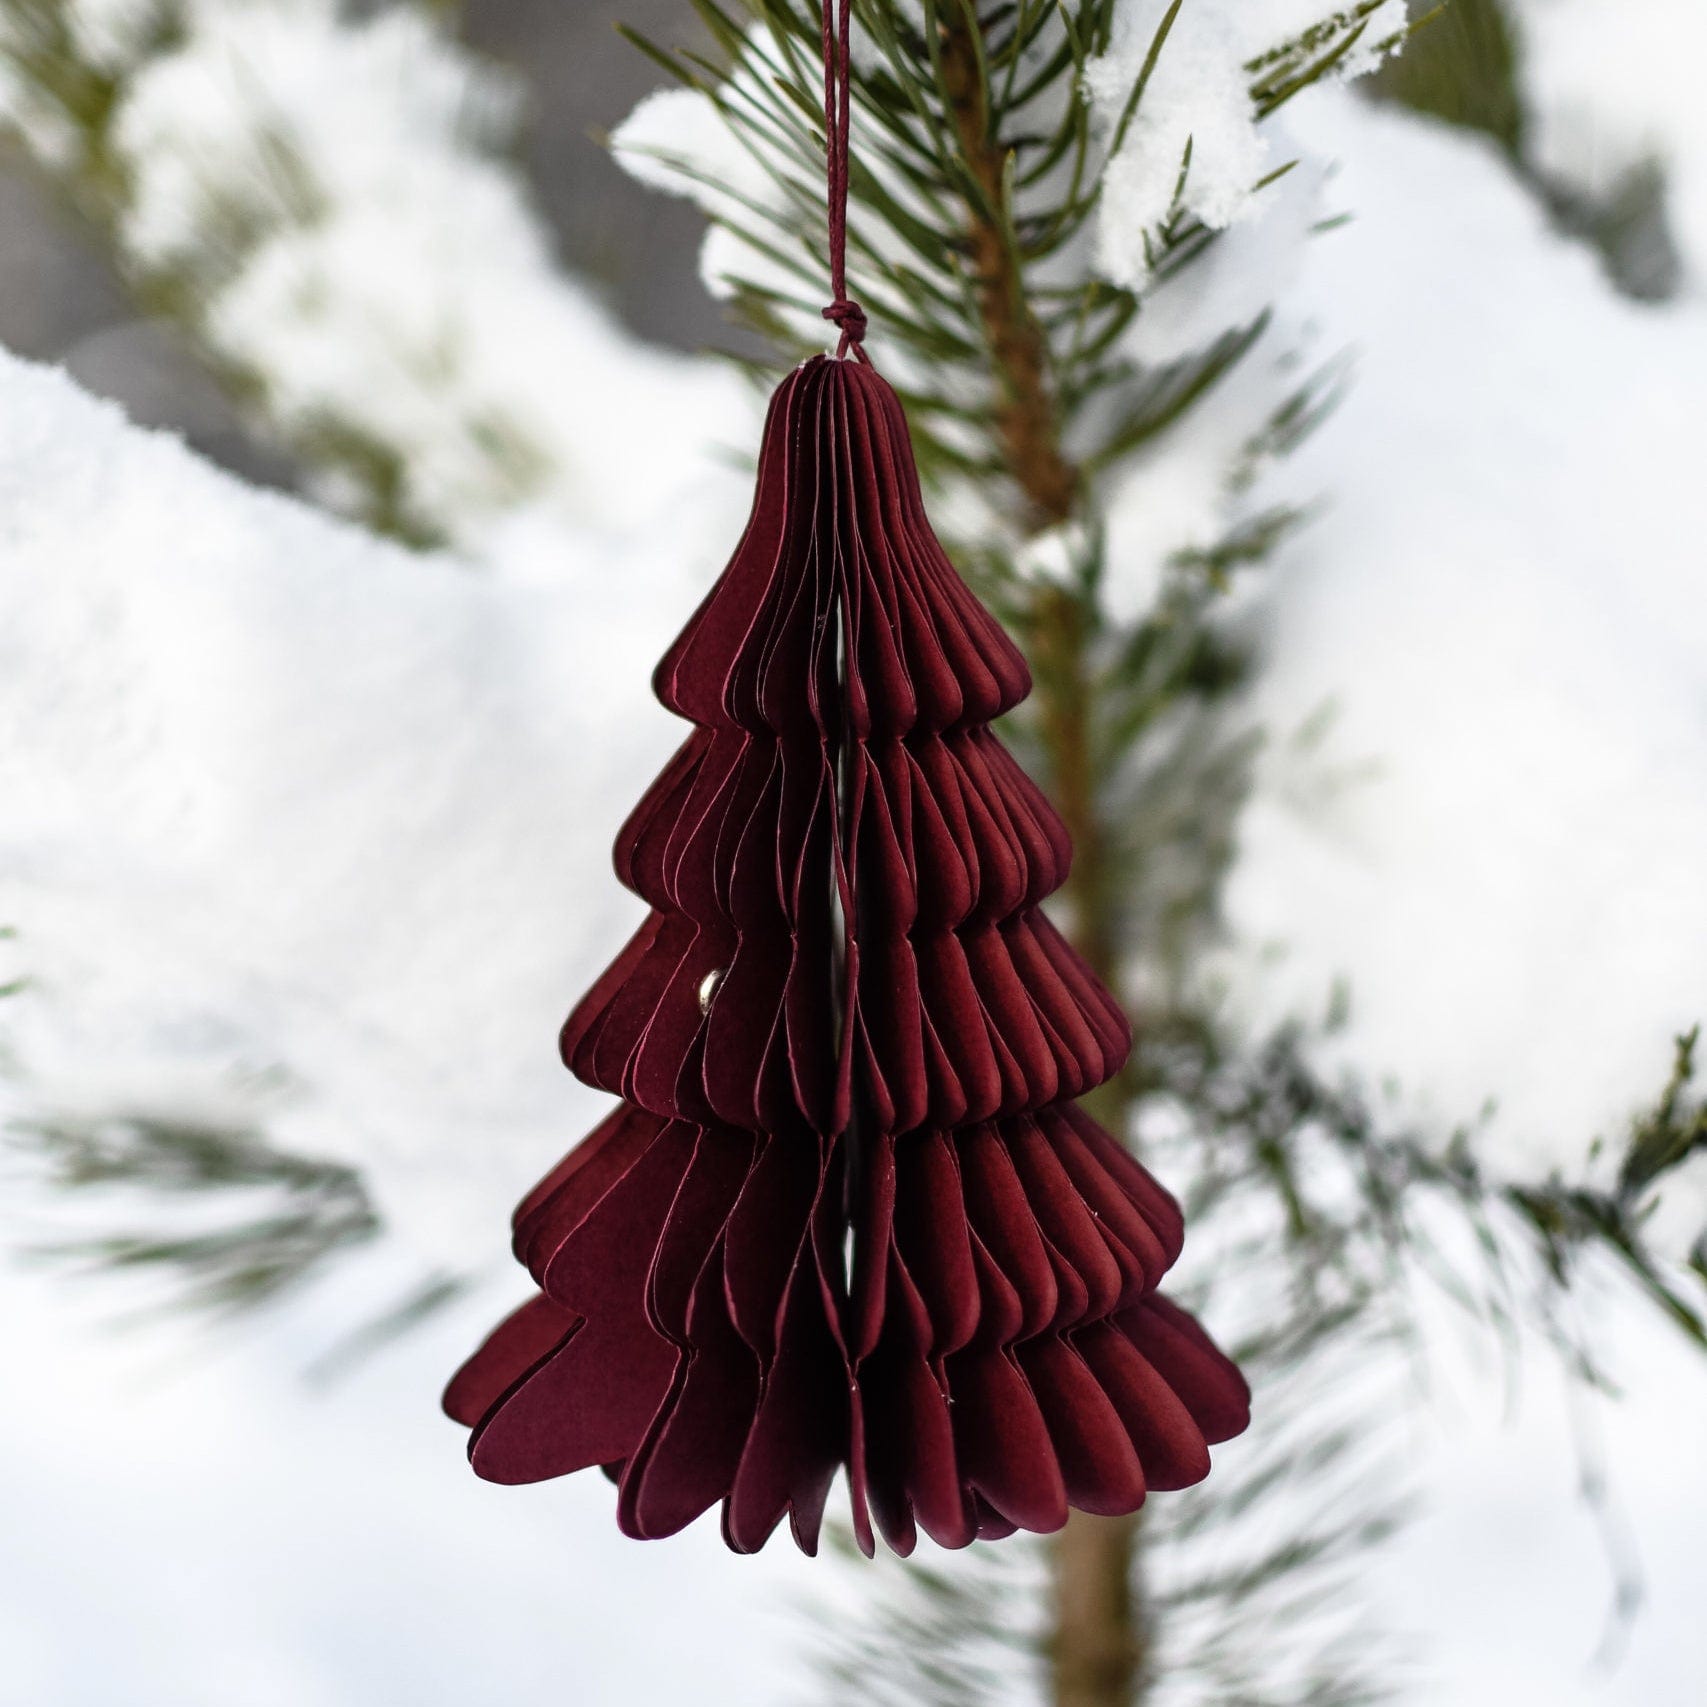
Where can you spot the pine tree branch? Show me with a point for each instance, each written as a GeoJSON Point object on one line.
{"type": "Point", "coordinates": [1011, 350]}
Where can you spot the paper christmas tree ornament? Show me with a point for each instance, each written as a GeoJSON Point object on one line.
{"type": "Point", "coordinates": [846, 1215]}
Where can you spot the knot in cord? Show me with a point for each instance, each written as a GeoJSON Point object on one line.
{"type": "Point", "coordinates": [849, 318]}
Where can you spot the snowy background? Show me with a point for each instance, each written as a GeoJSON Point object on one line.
{"type": "Point", "coordinates": [308, 832]}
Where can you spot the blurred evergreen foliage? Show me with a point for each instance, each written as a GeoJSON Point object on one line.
{"type": "Point", "coordinates": [66, 79]}
{"type": "Point", "coordinates": [1461, 66]}
{"type": "Point", "coordinates": [1465, 66]}
{"type": "Point", "coordinates": [292, 1213]}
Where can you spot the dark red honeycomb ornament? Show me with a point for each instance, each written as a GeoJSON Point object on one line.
{"type": "Point", "coordinates": [847, 1215]}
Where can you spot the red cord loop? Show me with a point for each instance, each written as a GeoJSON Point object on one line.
{"type": "Point", "coordinates": [838, 112]}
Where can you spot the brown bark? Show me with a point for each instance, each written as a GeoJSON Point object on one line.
{"type": "Point", "coordinates": [1098, 1644]}
{"type": "Point", "coordinates": [1099, 1641]}
{"type": "Point", "coordinates": [1027, 426]}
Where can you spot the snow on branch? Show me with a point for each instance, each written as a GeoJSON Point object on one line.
{"type": "Point", "coordinates": [325, 204]}
{"type": "Point", "coordinates": [299, 822]}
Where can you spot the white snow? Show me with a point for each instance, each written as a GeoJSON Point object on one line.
{"type": "Point", "coordinates": [1249, 267]}
{"type": "Point", "coordinates": [303, 826]}
{"type": "Point", "coordinates": [1503, 603]}
{"type": "Point", "coordinates": [1198, 97]}
{"type": "Point", "coordinates": [675, 141]}
{"type": "Point", "coordinates": [189, 1525]}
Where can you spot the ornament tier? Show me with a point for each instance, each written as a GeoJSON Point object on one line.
{"type": "Point", "coordinates": [847, 1214]}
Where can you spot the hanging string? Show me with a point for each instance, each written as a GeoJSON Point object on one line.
{"type": "Point", "coordinates": [843, 312]}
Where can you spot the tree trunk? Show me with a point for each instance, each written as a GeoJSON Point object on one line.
{"type": "Point", "coordinates": [1099, 1642]}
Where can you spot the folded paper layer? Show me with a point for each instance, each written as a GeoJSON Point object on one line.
{"type": "Point", "coordinates": [847, 1216]}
